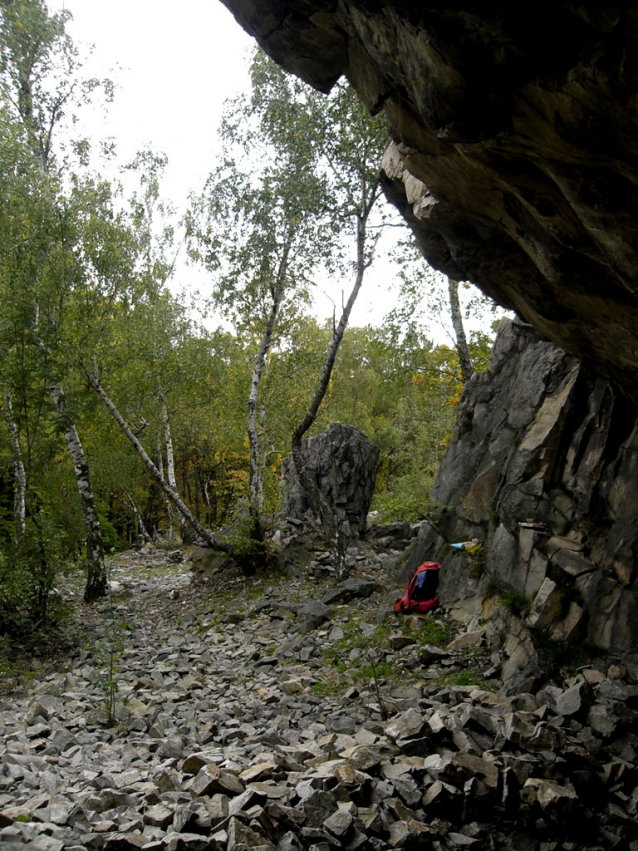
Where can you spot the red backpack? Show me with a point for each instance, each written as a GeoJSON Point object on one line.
{"type": "Point", "coordinates": [420, 593]}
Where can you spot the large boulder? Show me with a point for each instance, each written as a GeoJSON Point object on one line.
{"type": "Point", "coordinates": [342, 461]}
{"type": "Point", "coordinates": [543, 464]}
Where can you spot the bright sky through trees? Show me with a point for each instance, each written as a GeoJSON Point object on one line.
{"type": "Point", "coordinates": [174, 67]}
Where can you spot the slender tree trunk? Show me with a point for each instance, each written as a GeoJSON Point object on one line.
{"type": "Point", "coordinates": [167, 502]}
{"type": "Point", "coordinates": [263, 448]}
{"type": "Point", "coordinates": [205, 534]}
{"type": "Point", "coordinates": [206, 496]}
{"type": "Point", "coordinates": [185, 529]}
{"type": "Point", "coordinates": [256, 493]}
{"type": "Point", "coordinates": [96, 582]}
{"type": "Point", "coordinates": [19, 474]}
{"type": "Point", "coordinates": [465, 361]}
{"type": "Point", "coordinates": [129, 502]}
{"type": "Point", "coordinates": [318, 502]}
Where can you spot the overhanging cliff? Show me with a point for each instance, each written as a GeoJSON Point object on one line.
{"type": "Point", "coordinates": [521, 121]}
{"type": "Point", "coordinates": [515, 163]}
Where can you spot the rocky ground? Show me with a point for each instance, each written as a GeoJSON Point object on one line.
{"type": "Point", "coordinates": [302, 714]}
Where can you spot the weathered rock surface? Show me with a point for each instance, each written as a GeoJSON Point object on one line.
{"type": "Point", "coordinates": [342, 461]}
{"type": "Point", "coordinates": [523, 128]}
{"type": "Point", "coordinates": [542, 465]}
{"type": "Point", "coordinates": [216, 748]}
{"type": "Point", "coordinates": [514, 163]}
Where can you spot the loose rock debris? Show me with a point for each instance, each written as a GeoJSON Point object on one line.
{"type": "Point", "coordinates": [227, 738]}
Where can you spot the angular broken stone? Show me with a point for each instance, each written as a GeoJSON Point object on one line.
{"type": "Point", "coordinates": [438, 790]}
{"type": "Point", "coordinates": [407, 725]}
{"type": "Point", "coordinates": [212, 779]}
{"type": "Point", "coordinates": [467, 641]}
{"type": "Point", "coordinates": [193, 763]}
{"type": "Point", "coordinates": [338, 823]}
{"type": "Point", "coordinates": [158, 816]}
{"type": "Point", "coordinates": [519, 726]}
{"type": "Point", "coordinates": [185, 842]}
{"type": "Point", "coordinates": [547, 607]}
{"type": "Point", "coordinates": [241, 837]}
{"type": "Point", "coordinates": [290, 842]}
{"type": "Point", "coordinates": [317, 807]}
{"type": "Point", "coordinates": [599, 719]}
{"type": "Point", "coordinates": [430, 653]}
{"type": "Point", "coordinates": [547, 792]}
{"type": "Point", "coordinates": [207, 780]}
{"type": "Point", "coordinates": [260, 771]}
{"type": "Point", "coordinates": [350, 590]}
{"type": "Point", "coordinates": [568, 627]}
{"type": "Point", "coordinates": [398, 642]}
{"type": "Point", "coordinates": [399, 834]}
{"type": "Point", "coordinates": [312, 615]}
{"type": "Point", "coordinates": [319, 770]}
{"type": "Point", "coordinates": [573, 699]}
{"type": "Point", "coordinates": [217, 807]}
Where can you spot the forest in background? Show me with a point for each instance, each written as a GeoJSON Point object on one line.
{"type": "Point", "coordinates": [210, 389]}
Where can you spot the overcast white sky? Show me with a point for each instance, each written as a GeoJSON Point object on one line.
{"type": "Point", "coordinates": [174, 66]}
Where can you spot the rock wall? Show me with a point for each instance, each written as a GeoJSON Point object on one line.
{"type": "Point", "coordinates": [343, 461]}
{"type": "Point", "coordinates": [515, 162]}
{"type": "Point", "coordinates": [521, 121]}
{"type": "Point", "coordinates": [543, 464]}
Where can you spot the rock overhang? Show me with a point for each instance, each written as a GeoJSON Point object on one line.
{"type": "Point", "coordinates": [521, 122]}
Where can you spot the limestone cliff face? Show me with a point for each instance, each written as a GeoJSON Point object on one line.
{"type": "Point", "coordinates": [520, 118]}
{"type": "Point", "coordinates": [543, 464]}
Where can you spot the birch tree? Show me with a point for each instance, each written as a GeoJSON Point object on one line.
{"type": "Point", "coordinates": [19, 472]}
{"type": "Point", "coordinates": [347, 144]}
{"type": "Point", "coordinates": [465, 360]}
{"type": "Point", "coordinates": [312, 182]}
{"type": "Point", "coordinates": [41, 88]}
{"type": "Point", "coordinates": [260, 228]}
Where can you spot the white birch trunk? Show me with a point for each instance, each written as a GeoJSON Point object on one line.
{"type": "Point", "coordinates": [465, 361]}
{"type": "Point", "coordinates": [96, 583]}
{"type": "Point", "coordinates": [129, 502]}
{"type": "Point", "coordinates": [167, 502]}
{"type": "Point", "coordinates": [19, 474]}
{"type": "Point", "coordinates": [185, 529]}
{"type": "Point", "coordinates": [318, 502]}
{"type": "Point", "coordinates": [256, 493]}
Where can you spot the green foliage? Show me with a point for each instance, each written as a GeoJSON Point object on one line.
{"type": "Point", "coordinates": [409, 501]}
{"type": "Point", "coordinates": [17, 596]}
{"type": "Point", "coordinates": [377, 670]}
{"type": "Point", "coordinates": [66, 253]}
{"type": "Point", "coordinates": [84, 280]}
{"type": "Point", "coordinates": [434, 631]}
{"type": "Point", "coordinates": [423, 301]}
{"type": "Point", "coordinates": [374, 663]}
{"type": "Point", "coordinates": [27, 574]}
{"type": "Point", "coordinates": [465, 678]}
{"type": "Point", "coordinates": [514, 602]}
{"type": "Point", "coordinates": [397, 388]}
{"type": "Point", "coordinates": [248, 546]}
{"type": "Point", "coordinates": [110, 536]}
{"type": "Point", "coordinates": [107, 653]}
